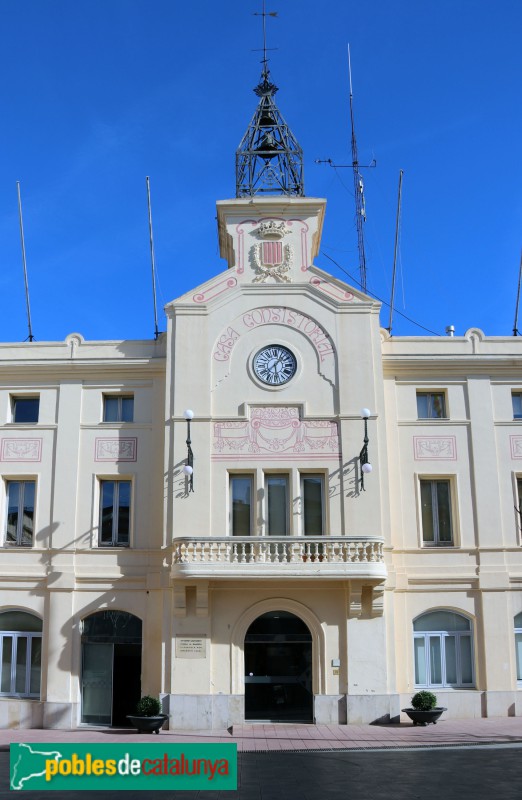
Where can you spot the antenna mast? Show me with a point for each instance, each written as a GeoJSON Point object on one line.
{"type": "Point", "coordinates": [358, 185]}
{"type": "Point", "coordinates": [30, 337]}
{"type": "Point", "coordinates": [153, 262]}
{"type": "Point", "coordinates": [397, 222]}
{"type": "Point", "coordinates": [515, 325]}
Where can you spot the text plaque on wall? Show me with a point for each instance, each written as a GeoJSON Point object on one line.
{"type": "Point", "coordinates": [191, 647]}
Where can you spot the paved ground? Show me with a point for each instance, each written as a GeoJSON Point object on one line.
{"type": "Point", "coordinates": [460, 773]}
{"type": "Point", "coordinates": [455, 759]}
{"type": "Point", "coordinates": [263, 737]}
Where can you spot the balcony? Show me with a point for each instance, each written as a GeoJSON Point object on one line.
{"type": "Point", "coordinates": [240, 557]}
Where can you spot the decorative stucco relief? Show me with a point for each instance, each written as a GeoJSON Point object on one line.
{"type": "Point", "coordinates": [516, 446]}
{"type": "Point", "coordinates": [215, 290]}
{"type": "Point", "coordinates": [21, 450]}
{"type": "Point", "coordinates": [272, 260]}
{"type": "Point", "coordinates": [273, 315]}
{"type": "Point", "coordinates": [332, 289]}
{"type": "Point", "coordinates": [116, 449]}
{"type": "Point", "coordinates": [253, 226]}
{"type": "Point", "coordinates": [276, 433]}
{"type": "Point", "coordinates": [277, 316]}
{"type": "Point", "coordinates": [270, 257]}
{"type": "Point", "coordinates": [432, 448]}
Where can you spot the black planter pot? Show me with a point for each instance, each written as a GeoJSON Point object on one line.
{"type": "Point", "coordinates": [148, 724]}
{"type": "Point", "coordinates": [424, 717]}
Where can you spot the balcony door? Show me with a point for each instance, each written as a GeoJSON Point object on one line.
{"type": "Point", "coordinates": [111, 667]}
{"type": "Point", "coordinates": [278, 669]}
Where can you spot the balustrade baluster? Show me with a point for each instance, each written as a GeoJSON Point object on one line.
{"type": "Point", "coordinates": [294, 552]}
{"type": "Point", "coordinates": [271, 551]}
{"type": "Point", "coordinates": [261, 552]}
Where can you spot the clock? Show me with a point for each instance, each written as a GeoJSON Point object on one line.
{"type": "Point", "coordinates": [274, 365]}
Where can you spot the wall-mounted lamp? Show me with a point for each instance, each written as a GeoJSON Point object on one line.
{"type": "Point", "coordinates": [188, 469]}
{"type": "Point", "coordinates": [365, 465]}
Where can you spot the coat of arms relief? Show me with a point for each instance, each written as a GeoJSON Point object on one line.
{"type": "Point", "coordinates": [272, 258]}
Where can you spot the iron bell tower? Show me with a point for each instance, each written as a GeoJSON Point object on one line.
{"type": "Point", "coordinates": [269, 159]}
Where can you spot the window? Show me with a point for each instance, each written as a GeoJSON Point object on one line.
{"type": "Point", "coordinates": [241, 494]}
{"type": "Point", "coordinates": [118, 408]}
{"type": "Point", "coordinates": [516, 399]}
{"type": "Point", "coordinates": [431, 405]}
{"type": "Point", "coordinates": [518, 645]}
{"type": "Point", "coordinates": [25, 409]}
{"type": "Point", "coordinates": [20, 654]}
{"type": "Point", "coordinates": [277, 506]}
{"type": "Point", "coordinates": [436, 513]}
{"type": "Point", "coordinates": [443, 650]}
{"type": "Point", "coordinates": [312, 492]}
{"type": "Point", "coordinates": [115, 498]}
{"type": "Point", "coordinates": [20, 513]}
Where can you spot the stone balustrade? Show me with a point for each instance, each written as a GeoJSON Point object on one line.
{"type": "Point", "coordinates": [270, 556]}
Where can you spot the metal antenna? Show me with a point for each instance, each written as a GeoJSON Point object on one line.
{"type": "Point", "coordinates": [153, 263]}
{"type": "Point", "coordinates": [515, 326]}
{"type": "Point", "coordinates": [358, 185]}
{"type": "Point", "coordinates": [30, 337]}
{"type": "Point", "coordinates": [397, 221]}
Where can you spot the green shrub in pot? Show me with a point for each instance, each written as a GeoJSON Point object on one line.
{"type": "Point", "coordinates": [424, 701]}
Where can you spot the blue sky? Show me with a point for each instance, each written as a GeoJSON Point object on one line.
{"type": "Point", "coordinates": [97, 95]}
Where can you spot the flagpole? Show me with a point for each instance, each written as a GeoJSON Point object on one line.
{"type": "Point", "coordinates": [28, 306]}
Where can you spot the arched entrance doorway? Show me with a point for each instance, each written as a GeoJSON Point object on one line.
{"type": "Point", "coordinates": [278, 669]}
{"type": "Point", "coordinates": [111, 667]}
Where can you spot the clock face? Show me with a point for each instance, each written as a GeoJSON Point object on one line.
{"type": "Point", "coordinates": [274, 365]}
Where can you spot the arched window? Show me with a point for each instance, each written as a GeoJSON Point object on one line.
{"type": "Point", "coordinates": [443, 650]}
{"type": "Point", "coordinates": [20, 654]}
{"type": "Point", "coordinates": [518, 645]}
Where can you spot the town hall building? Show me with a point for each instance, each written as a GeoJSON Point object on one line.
{"type": "Point", "coordinates": [274, 511]}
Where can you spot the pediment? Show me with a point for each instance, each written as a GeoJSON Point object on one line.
{"type": "Point", "coordinates": [225, 287]}
{"type": "Point", "coordinates": [217, 288]}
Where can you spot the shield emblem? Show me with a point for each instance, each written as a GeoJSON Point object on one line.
{"type": "Point", "coordinates": [272, 254]}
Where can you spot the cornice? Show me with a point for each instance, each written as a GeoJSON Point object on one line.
{"type": "Point", "coordinates": [428, 363]}
{"type": "Point", "coordinates": [81, 367]}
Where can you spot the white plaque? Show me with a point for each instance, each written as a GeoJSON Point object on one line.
{"type": "Point", "coordinates": [191, 647]}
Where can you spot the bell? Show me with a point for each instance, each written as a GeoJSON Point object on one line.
{"type": "Point", "coordinates": [267, 147]}
{"type": "Point", "coordinates": [266, 120]}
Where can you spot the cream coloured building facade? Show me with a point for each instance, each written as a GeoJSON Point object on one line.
{"type": "Point", "coordinates": [280, 588]}
{"type": "Point", "coordinates": [280, 580]}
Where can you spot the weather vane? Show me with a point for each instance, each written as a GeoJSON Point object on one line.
{"type": "Point", "coordinates": [265, 14]}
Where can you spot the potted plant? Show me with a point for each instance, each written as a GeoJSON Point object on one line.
{"type": "Point", "coordinates": [147, 718]}
{"type": "Point", "coordinates": [424, 708]}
